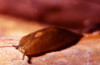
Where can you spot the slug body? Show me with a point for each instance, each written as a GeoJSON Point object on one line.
{"type": "Point", "coordinates": [44, 40]}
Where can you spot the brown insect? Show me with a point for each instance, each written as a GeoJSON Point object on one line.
{"type": "Point", "coordinates": [46, 40]}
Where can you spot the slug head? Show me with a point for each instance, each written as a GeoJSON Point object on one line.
{"type": "Point", "coordinates": [20, 49]}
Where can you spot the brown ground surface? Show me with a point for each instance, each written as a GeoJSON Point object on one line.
{"type": "Point", "coordinates": [85, 52]}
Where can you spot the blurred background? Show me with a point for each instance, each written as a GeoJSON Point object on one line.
{"type": "Point", "coordinates": [20, 17]}
{"type": "Point", "coordinates": [11, 26]}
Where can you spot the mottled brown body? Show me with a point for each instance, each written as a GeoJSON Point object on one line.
{"type": "Point", "coordinates": [45, 40]}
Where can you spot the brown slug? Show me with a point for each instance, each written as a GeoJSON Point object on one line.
{"type": "Point", "coordinates": [45, 40]}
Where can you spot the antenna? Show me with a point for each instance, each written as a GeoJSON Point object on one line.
{"type": "Point", "coordinates": [5, 46]}
{"type": "Point", "coordinates": [10, 46]}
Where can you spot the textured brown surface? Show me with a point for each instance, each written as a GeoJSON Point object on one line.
{"type": "Point", "coordinates": [85, 52]}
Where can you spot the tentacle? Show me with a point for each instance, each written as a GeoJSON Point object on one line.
{"type": "Point", "coordinates": [15, 46]}
{"type": "Point", "coordinates": [23, 56]}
